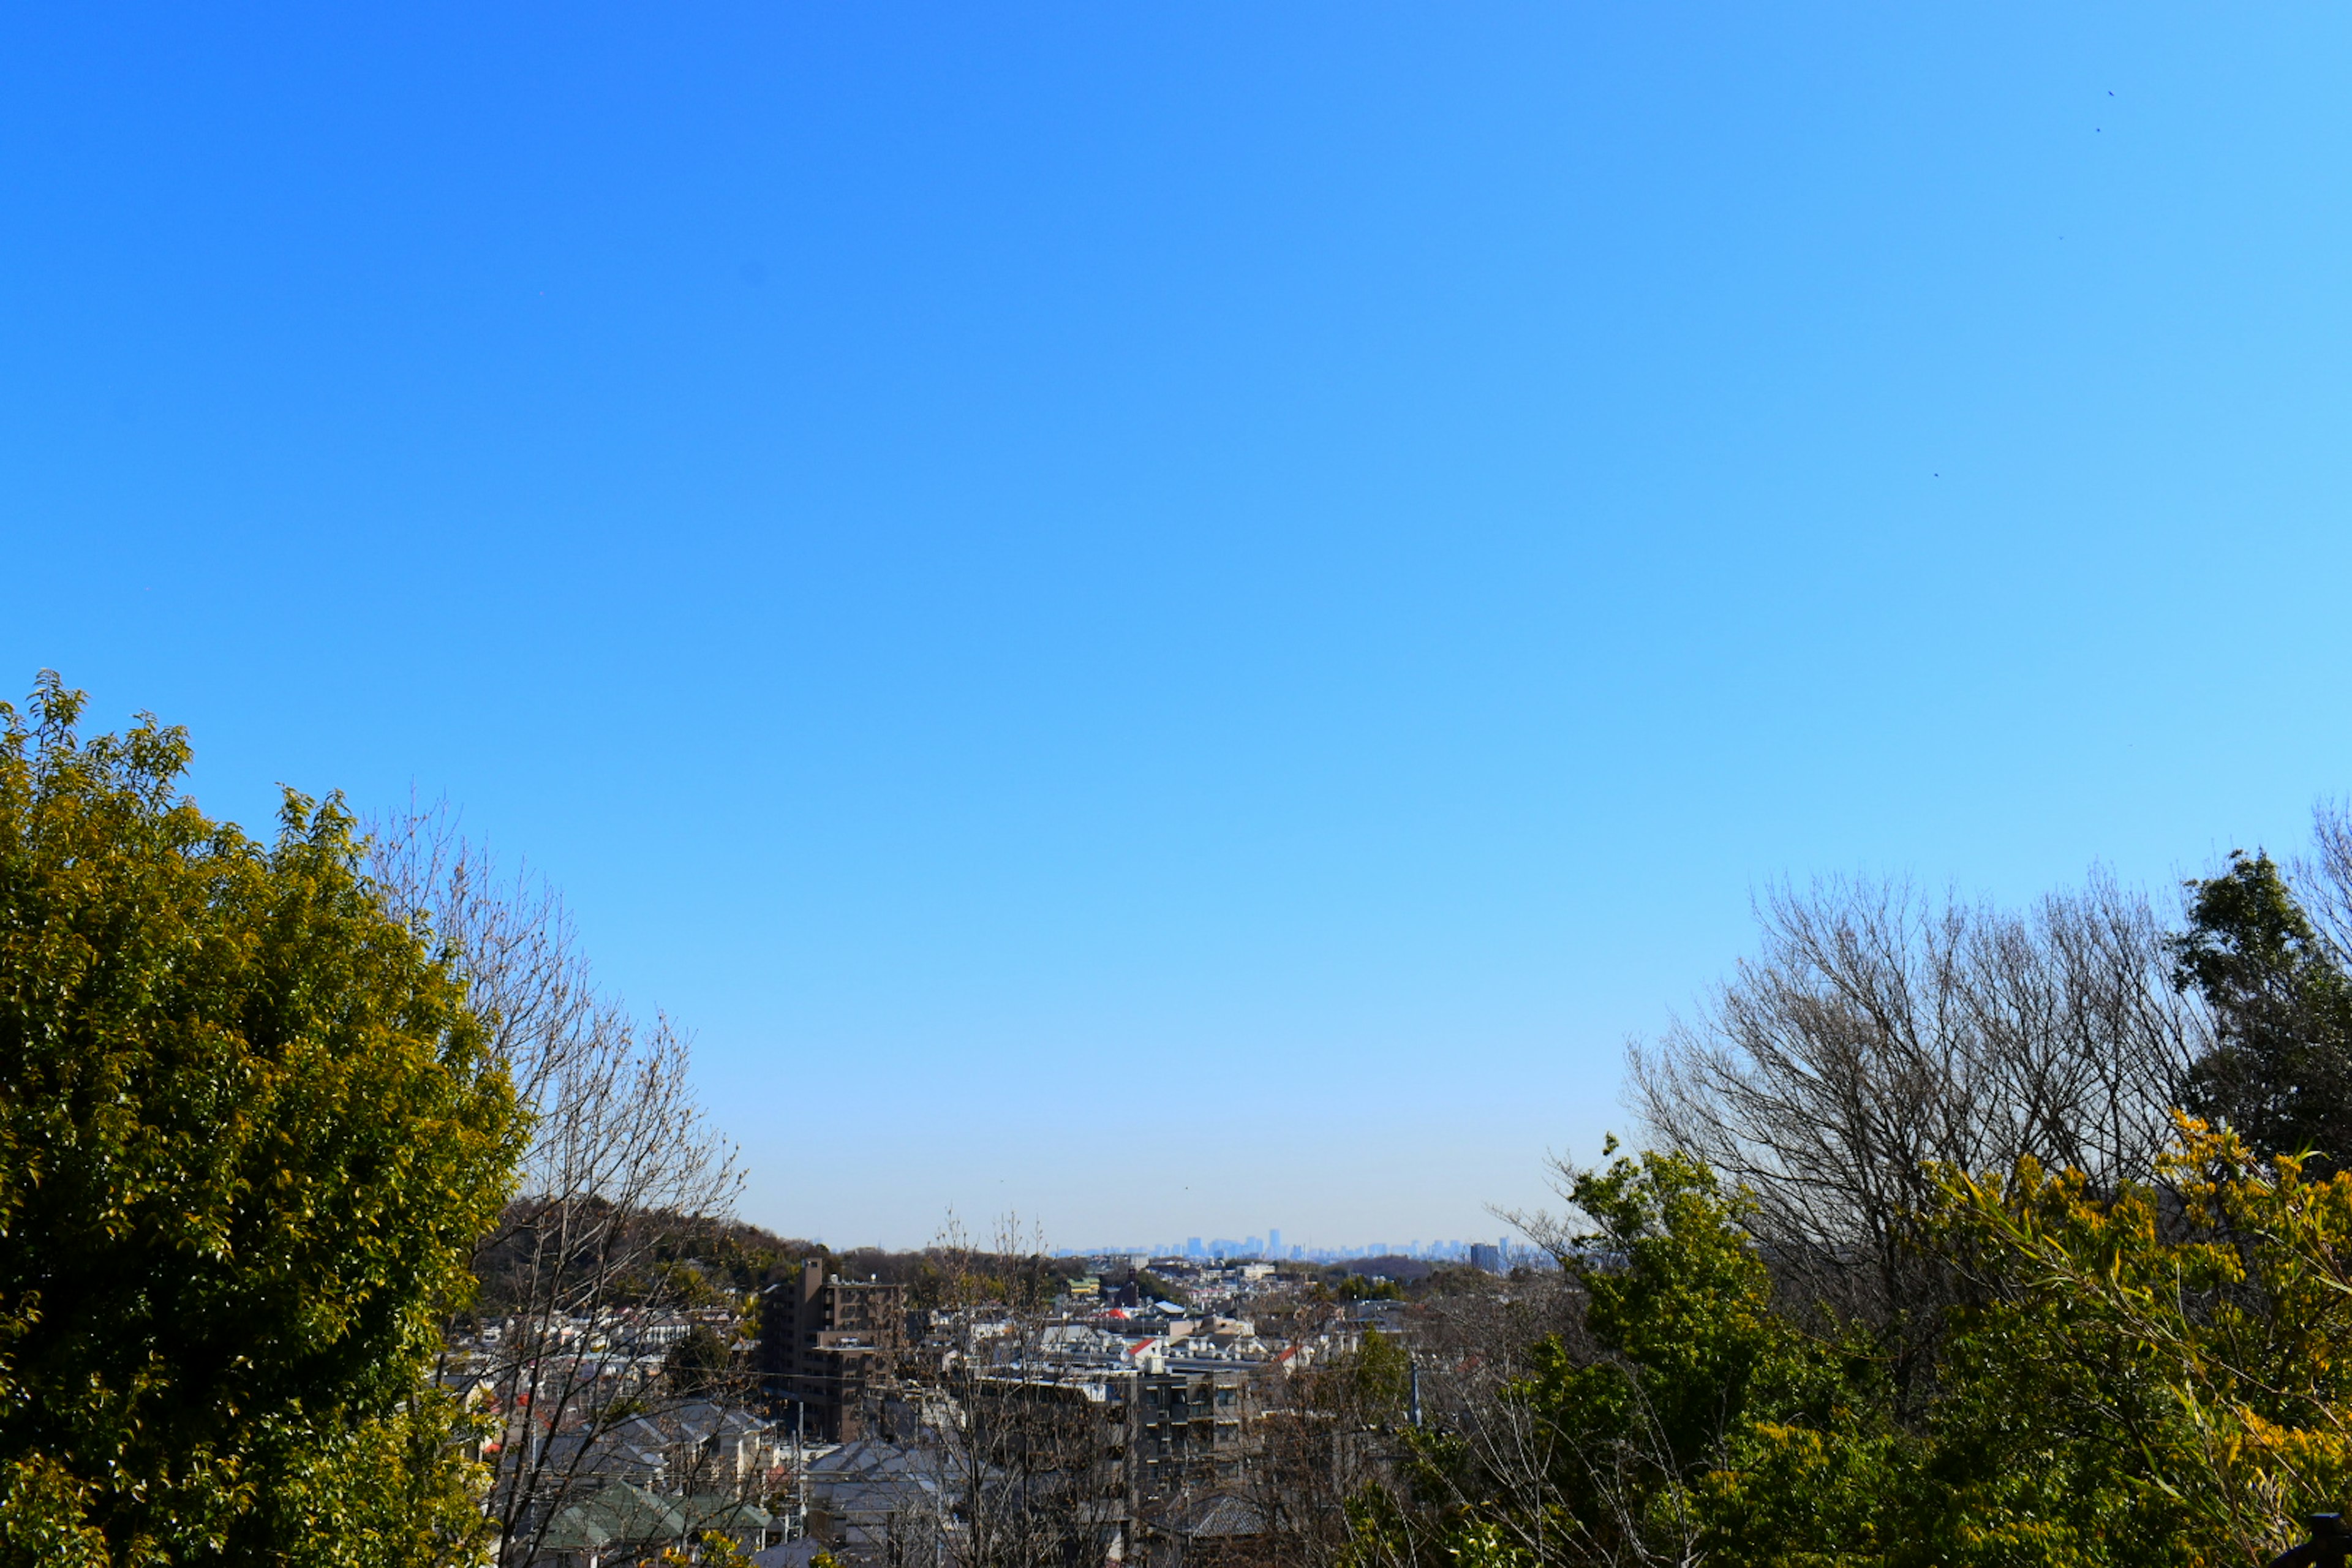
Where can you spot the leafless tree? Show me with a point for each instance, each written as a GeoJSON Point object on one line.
{"type": "Point", "coordinates": [1878, 1031]}
{"type": "Point", "coordinates": [1035, 1449]}
{"type": "Point", "coordinates": [2322, 880]}
{"type": "Point", "coordinates": [621, 1151]}
{"type": "Point", "coordinates": [1483, 1450]}
{"type": "Point", "coordinates": [1326, 1432]}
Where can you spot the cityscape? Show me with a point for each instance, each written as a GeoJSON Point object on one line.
{"type": "Point", "coordinates": [1488, 1255]}
{"type": "Point", "coordinates": [1071, 785]}
{"type": "Point", "coordinates": [1164, 1386]}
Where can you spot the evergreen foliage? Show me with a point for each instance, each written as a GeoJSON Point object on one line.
{"type": "Point", "coordinates": [2281, 1070]}
{"type": "Point", "coordinates": [248, 1136]}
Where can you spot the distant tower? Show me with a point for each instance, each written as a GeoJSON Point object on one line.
{"type": "Point", "coordinates": [1274, 1241]}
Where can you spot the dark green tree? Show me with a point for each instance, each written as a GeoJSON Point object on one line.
{"type": "Point", "coordinates": [2279, 1071]}
{"type": "Point", "coordinates": [698, 1364]}
{"type": "Point", "coordinates": [249, 1135]}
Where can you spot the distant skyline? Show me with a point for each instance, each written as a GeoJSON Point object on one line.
{"type": "Point", "coordinates": [1134, 616]}
{"type": "Point", "coordinates": [1273, 1248]}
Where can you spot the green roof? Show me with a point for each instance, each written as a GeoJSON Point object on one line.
{"type": "Point", "coordinates": [632, 1515]}
{"type": "Point", "coordinates": [708, 1511]}
{"type": "Point", "coordinates": [623, 1513]}
{"type": "Point", "coordinates": [574, 1529]}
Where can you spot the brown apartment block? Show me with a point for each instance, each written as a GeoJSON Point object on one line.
{"type": "Point", "coordinates": [822, 1344]}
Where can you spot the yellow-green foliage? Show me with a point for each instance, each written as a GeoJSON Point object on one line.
{"type": "Point", "coordinates": [2162, 1373]}
{"type": "Point", "coordinates": [248, 1133]}
{"type": "Point", "coordinates": [2157, 1375]}
{"type": "Point", "coordinates": [2150, 1376]}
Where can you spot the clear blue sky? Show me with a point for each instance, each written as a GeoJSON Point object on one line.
{"type": "Point", "coordinates": [1180, 617]}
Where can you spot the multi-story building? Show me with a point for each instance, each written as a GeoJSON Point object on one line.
{"type": "Point", "coordinates": [823, 1343]}
{"type": "Point", "coordinates": [1185, 1426]}
{"type": "Point", "coordinates": [1114, 1449]}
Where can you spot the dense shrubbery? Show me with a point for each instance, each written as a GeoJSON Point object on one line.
{"type": "Point", "coordinates": [2038, 1365]}
{"type": "Point", "coordinates": [249, 1132]}
{"type": "Point", "coordinates": [2154, 1375]}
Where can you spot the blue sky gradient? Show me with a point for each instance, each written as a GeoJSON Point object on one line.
{"type": "Point", "coordinates": [1179, 618]}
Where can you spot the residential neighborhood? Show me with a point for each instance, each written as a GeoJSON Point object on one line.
{"type": "Point", "coordinates": [851, 1421]}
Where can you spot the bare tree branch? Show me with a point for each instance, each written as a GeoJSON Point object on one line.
{"type": "Point", "coordinates": [620, 1154]}
{"type": "Point", "coordinates": [1877, 1030]}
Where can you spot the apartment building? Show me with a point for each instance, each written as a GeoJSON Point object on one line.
{"type": "Point", "coordinates": [823, 1343]}
{"type": "Point", "coordinates": [1186, 1427]}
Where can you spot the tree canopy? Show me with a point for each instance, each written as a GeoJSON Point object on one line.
{"type": "Point", "coordinates": [2281, 1069]}
{"type": "Point", "coordinates": [2155, 1375]}
{"type": "Point", "coordinates": [249, 1133]}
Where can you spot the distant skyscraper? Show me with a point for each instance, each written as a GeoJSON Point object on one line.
{"type": "Point", "coordinates": [1193, 1247]}
{"type": "Point", "coordinates": [1274, 1241]}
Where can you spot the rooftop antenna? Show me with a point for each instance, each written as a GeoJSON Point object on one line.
{"type": "Point", "coordinates": [800, 1469]}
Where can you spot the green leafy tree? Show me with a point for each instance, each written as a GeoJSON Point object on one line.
{"type": "Point", "coordinates": [249, 1135]}
{"type": "Point", "coordinates": [2158, 1376]}
{"type": "Point", "coordinates": [2152, 1376]}
{"type": "Point", "coordinates": [1697, 1379]}
{"type": "Point", "coordinates": [1628, 1440]}
{"type": "Point", "coordinates": [698, 1364]}
{"type": "Point", "coordinates": [2281, 1069]}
